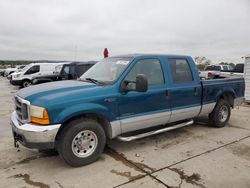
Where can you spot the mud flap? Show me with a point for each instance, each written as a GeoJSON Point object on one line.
{"type": "Point", "coordinates": [16, 145]}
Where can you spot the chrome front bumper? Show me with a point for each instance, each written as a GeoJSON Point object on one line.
{"type": "Point", "coordinates": [33, 136]}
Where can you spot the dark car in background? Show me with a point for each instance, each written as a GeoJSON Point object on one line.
{"type": "Point", "coordinates": [71, 71]}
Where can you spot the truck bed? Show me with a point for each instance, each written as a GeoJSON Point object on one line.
{"type": "Point", "coordinates": [213, 88]}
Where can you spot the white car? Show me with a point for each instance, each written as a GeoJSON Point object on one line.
{"type": "Point", "coordinates": [214, 71]}
{"type": "Point", "coordinates": [9, 71]}
{"type": "Point", "coordinates": [17, 69]}
{"type": "Point", "coordinates": [24, 77]}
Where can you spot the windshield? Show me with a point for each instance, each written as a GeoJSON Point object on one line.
{"type": "Point", "coordinates": [107, 70]}
{"type": "Point", "coordinates": [25, 68]}
{"type": "Point", "coordinates": [58, 69]}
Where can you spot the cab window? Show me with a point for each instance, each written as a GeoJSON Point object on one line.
{"type": "Point", "coordinates": [180, 71]}
{"type": "Point", "coordinates": [33, 69]}
{"type": "Point", "coordinates": [151, 68]}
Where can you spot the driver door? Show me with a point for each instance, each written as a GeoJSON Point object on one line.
{"type": "Point", "coordinates": [139, 110]}
{"type": "Point", "coordinates": [33, 71]}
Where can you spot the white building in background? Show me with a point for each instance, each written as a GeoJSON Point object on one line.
{"type": "Point", "coordinates": [247, 78]}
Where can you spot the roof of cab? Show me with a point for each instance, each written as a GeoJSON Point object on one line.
{"type": "Point", "coordinates": [83, 63]}
{"type": "Point", "coordinates": [151, 55]}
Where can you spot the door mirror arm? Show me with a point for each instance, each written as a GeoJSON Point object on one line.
{"type": "Point", "coordinates": [141, 84]}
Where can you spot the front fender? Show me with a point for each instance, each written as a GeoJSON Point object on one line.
{"type": "Point", "coordinates": [84, 108]}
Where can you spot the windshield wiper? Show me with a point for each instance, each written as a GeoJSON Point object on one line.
{"type": "Point", "coordinates": [94, 81]}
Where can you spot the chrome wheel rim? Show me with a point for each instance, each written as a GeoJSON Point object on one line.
{"type": "Point", "coordinates": [84, 143]}
{"type": "Point", "coordinates": [223, 114]}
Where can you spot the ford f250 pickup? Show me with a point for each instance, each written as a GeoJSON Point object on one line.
{"type": "Point", "coordinates": [126, 97]}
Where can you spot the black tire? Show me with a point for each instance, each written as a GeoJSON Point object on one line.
{"type": "Point", "coordinates": [26, 83]}
{"type": "Point", "coordinates": [216, 117]}
{"type": "Point", "coordinates": [67, 138]}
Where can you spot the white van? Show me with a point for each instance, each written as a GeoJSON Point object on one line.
{"type": "Point", "coordinates": [24, 77]}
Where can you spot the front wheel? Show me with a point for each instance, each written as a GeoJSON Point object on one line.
{"type": "Point", "coordinates": [81, 142]}
{"type": "Point", "coordinates": [26, 83]}
{"type": "Point", "coordinates": [220, 114]}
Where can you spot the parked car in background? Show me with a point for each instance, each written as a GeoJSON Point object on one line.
{"type": "Point", "coordinates": [238, 70]}
{"type": "Point", "coordinates": [71, 71]}
{"type": "Point", "coordinates": [116, 98]}
{"type": "Point", "coordinates": [2, 72]}
{"type": "Point", "coordinates": [9, 71]}
{"type": "Point", "coordinates": [214, 71]}
{"type": "Point", "coordinates": [210, 72]}
{"type": "Point", "coordinates": [225, 67]}
{"type": "Point", "coordinates": [24, 77]}
{"type": "Point", "coordinates": [19, 69]}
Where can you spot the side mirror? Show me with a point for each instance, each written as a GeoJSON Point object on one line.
{"type": "Point", "coordinates": [140, 84]}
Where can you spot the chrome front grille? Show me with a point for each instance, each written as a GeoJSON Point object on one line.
{"type": "Point", "coordinates": [22, 109]}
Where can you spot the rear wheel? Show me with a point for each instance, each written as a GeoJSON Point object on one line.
{"type": "Point", "coordinates": [221, 114]}
{"type": "Point", "coordinates": [81, 142]}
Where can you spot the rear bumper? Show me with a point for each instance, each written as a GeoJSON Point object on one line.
{"type": "Point", "coordinates": [238, 101]}
{"type": "Point", "coordinates": [16, 82]}
{"type": "Point", "coordinates": [33, 136]}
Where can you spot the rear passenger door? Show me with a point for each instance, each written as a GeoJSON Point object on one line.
{"type": "Point", "coordinates": [184, 91]}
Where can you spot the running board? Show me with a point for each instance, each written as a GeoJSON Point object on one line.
{"type": "Point", "coordinates": [142, 135]}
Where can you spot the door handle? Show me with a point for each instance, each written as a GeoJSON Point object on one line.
{"type": "Point", "coordinates": [168, 93]}
{"type": "Point", "coordinates": [196, 91]}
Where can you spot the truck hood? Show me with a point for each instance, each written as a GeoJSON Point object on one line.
{"type": "Point", "coordinates": [45, 93]}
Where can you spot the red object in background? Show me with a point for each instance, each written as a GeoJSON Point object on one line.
{"type": "Point", "coordinates": [209, 74]}
{"type": "Point", "coordinates": [106, 53]}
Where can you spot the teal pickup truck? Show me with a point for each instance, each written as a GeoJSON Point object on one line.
{"type": "Point", "coordinates": [139, 94]}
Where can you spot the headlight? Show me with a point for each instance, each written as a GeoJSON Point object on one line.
{"type": "Point", "coordinates": [39, 115]}
{"type": "Point", "coordinates": [17, 75]}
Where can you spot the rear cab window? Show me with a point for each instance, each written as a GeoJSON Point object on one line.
{"type": "Point", "coordinates": [180, 71]}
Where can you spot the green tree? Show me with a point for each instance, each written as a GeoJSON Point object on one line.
{"type": "Point", "coordinates": [232, 64]}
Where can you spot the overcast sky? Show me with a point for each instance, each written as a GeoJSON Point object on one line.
{"type": "Point", "coordinates": [55, 29]}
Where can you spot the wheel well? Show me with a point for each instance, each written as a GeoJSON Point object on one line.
{"type": "Point", "coordinates": [99, 118]}
{"type": "Point", "coordinates": [26, 80]}
{"type": "Point", "coordinates": [228, 97]}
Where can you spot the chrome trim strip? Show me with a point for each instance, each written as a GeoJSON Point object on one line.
{"type": "Point", "coordinates": [130, 138]}
{"type": "Point", "coordinates": [28, 108]}
{"type": "Point", "coordinates": [22, 100]}
{"type": "Point", "coordinates": [207, 108]}
{"type": "Point", "coordinates": [34, 133]}
{"type": "Point", "coordinates": [144, 121]}
{"type": "Point", "coordinates": [151, 120]}
{"type": "Point", "coordinates": [185, 113]}
{"type": "Point", "coordinates": [115, 129]}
